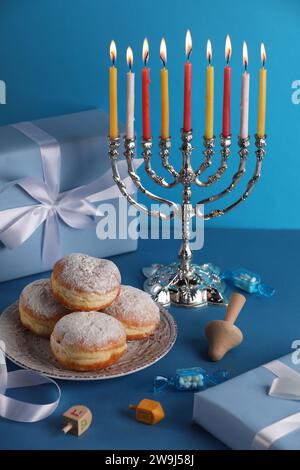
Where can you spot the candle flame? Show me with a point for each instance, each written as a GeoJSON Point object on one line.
{"type": "Point", "coordinates": [263, 54]}
{"type": "Point", "coordinates": [209, 51]}
{"type": "Point", "coordinates": [113, 52]}
{"type": "Point", "coordinates": [163, 52]}
{"type": "Point", "coordinates": [228, 49]}
{"type": "Point", "coordinates": [245, 55]}
{"type": "Point", "coordinates": [145, 51]}
{"type": "Point", "coordinates": [188, 44]}
{"type": "Point", "coordinates": [129, 57]}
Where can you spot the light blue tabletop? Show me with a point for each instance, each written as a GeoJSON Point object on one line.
{"type": "Point", "coordinates": [269, 328]}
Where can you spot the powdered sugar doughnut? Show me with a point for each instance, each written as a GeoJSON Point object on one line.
{"type": "Point", "coordinates": [82, 282]}
{"type": "Point", "coordinates": [88, 341]}
{"type": "Point", "coordinates": [39, 310]}
{"type": "Point", "coordinates": [136, 310]}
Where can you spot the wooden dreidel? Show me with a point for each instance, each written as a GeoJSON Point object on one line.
{"type": "Point", "coordinates": [77, 420]}
{"type": "Point", "coordinates": [223, 335]}
{"type": "Point", "coordinates": [148, 411]}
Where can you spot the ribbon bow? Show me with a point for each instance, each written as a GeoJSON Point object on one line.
{"type": "Point", "coordinates": [73, 206]}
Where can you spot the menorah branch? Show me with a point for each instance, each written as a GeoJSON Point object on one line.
{"type": "Point", "coordinates": [165, 145]}
{"type": "Point", "coordinates": [243, 152]}
{"type": "Point", "coordinates": [208, 154]}
{"type": "Point", "coordinates": [129, 154]}
{"type": "Point", "coordinates": [114, 145]}
{"type": "Point", "coordinates": [260, 143]}
{"type": "Point", "coordinates": [147, 155]}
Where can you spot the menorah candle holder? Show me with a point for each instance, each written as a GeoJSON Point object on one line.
{"type": "Point", "coordinates": [186, 284]}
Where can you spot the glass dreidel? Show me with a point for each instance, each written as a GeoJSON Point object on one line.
{"type": "Point", "coordinates": [223, 335]}
{"type": "Point", "coordinates": [77, 420]}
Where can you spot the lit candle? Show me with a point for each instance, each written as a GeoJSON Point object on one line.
{"type": "Point", "coordinates": [164, 91]}
{"type": "Point", "coordinates": [227, 90]}
{"type": "Point", "coordinates": [187, 84]}
{"type": "Point", "coordinates": [146, 92]}
{"type": "Point", "coordinates": [113, 96]}
{"type": "Point", "coordinates": [209, 127]}
{"type": "Point", "coordinates": [245, 96]}
{"type": "Point", "coordinates": [262, 95]}
{"type": "Point", "coordinates": [129, 96]}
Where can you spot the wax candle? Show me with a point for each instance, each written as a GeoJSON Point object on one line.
{"type": "Point", "coordinates": [129, 96]}
{"type": "Point", "coordinates": [113, 97]}
{"type": "Point", "coordinates": [227, 90]}
{"type": "Point", "coordinates": [209, 123]}
{"type": "Point", "coordinates": [262, 95]}
{"type": "Point", "coordinates": [146, 93]}
{"type": "Point", "coordinates": [164, 91]}
{"type": "Point", "coordinates": [187, 84]}
{"type": "Point", "coordinates": [245, 96]}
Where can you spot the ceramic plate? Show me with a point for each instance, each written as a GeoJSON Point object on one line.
{"type": "Point", "coordinates": [33, 352]}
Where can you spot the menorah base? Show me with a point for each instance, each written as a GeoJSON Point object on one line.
{"type": "Point", "coordinates": [170, 285]}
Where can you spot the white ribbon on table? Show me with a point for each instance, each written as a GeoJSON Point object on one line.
{"type": "Point", "coordinates": [73, 207]}
{"type": "Point", "coordinates": [286, 386]}
{"type": "Point", "coordinates": [17, 410]}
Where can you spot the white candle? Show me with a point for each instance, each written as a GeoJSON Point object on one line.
{"type": "Point", "coordinates": [245, 96]}
{"type": "Point", "coordinates": [130, 97]}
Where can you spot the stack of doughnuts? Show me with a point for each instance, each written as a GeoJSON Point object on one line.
{"type": "Point", "coordinates": [86, 312]}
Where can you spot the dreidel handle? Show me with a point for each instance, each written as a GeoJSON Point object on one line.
{"type": "Point", "coordinates": [235, 305]}
{"type": "Point", "coordinates": [67, 428]}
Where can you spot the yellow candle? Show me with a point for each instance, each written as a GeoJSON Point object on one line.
{"type": "Point", "coordinates": [164, 75]}
{"type": "Point", "coordinates": [262, 95]}
{"type": "Point", "coordinates": [209, 123]}
{"type": "Point", "coordinates": [113, 96]}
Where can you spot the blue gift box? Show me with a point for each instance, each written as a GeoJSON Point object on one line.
{"type": "Point", "coordinates": [82, 138]}
{"type": "Point", "coordinates": [242, 414]}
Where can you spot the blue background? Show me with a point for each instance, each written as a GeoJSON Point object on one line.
{"type": "Point", "coordinates": [54, 60]}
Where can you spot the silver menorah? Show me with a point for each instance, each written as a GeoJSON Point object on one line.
{"type": "Point", "coordinates": [186, 284]}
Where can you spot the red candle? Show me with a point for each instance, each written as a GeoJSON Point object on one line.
{"type": "Point", "coordinates": [146, 92]}
{"type": "Point", "coordinates": [187, 84]}
{"type": "Point", "coordinates": [227, 91]}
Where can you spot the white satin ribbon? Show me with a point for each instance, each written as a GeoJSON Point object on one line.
{"type": "Point", "coordinates": [267, 436]}
{"type": "Point", "coordinates": [17, 410]}
{"type": "Point", "coordinates": [73, 207]}
{"type": "Point", "coordinates": [286, 386]}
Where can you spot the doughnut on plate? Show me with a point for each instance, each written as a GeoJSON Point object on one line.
{"type": "Point", "coordinates": [33, 352]}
